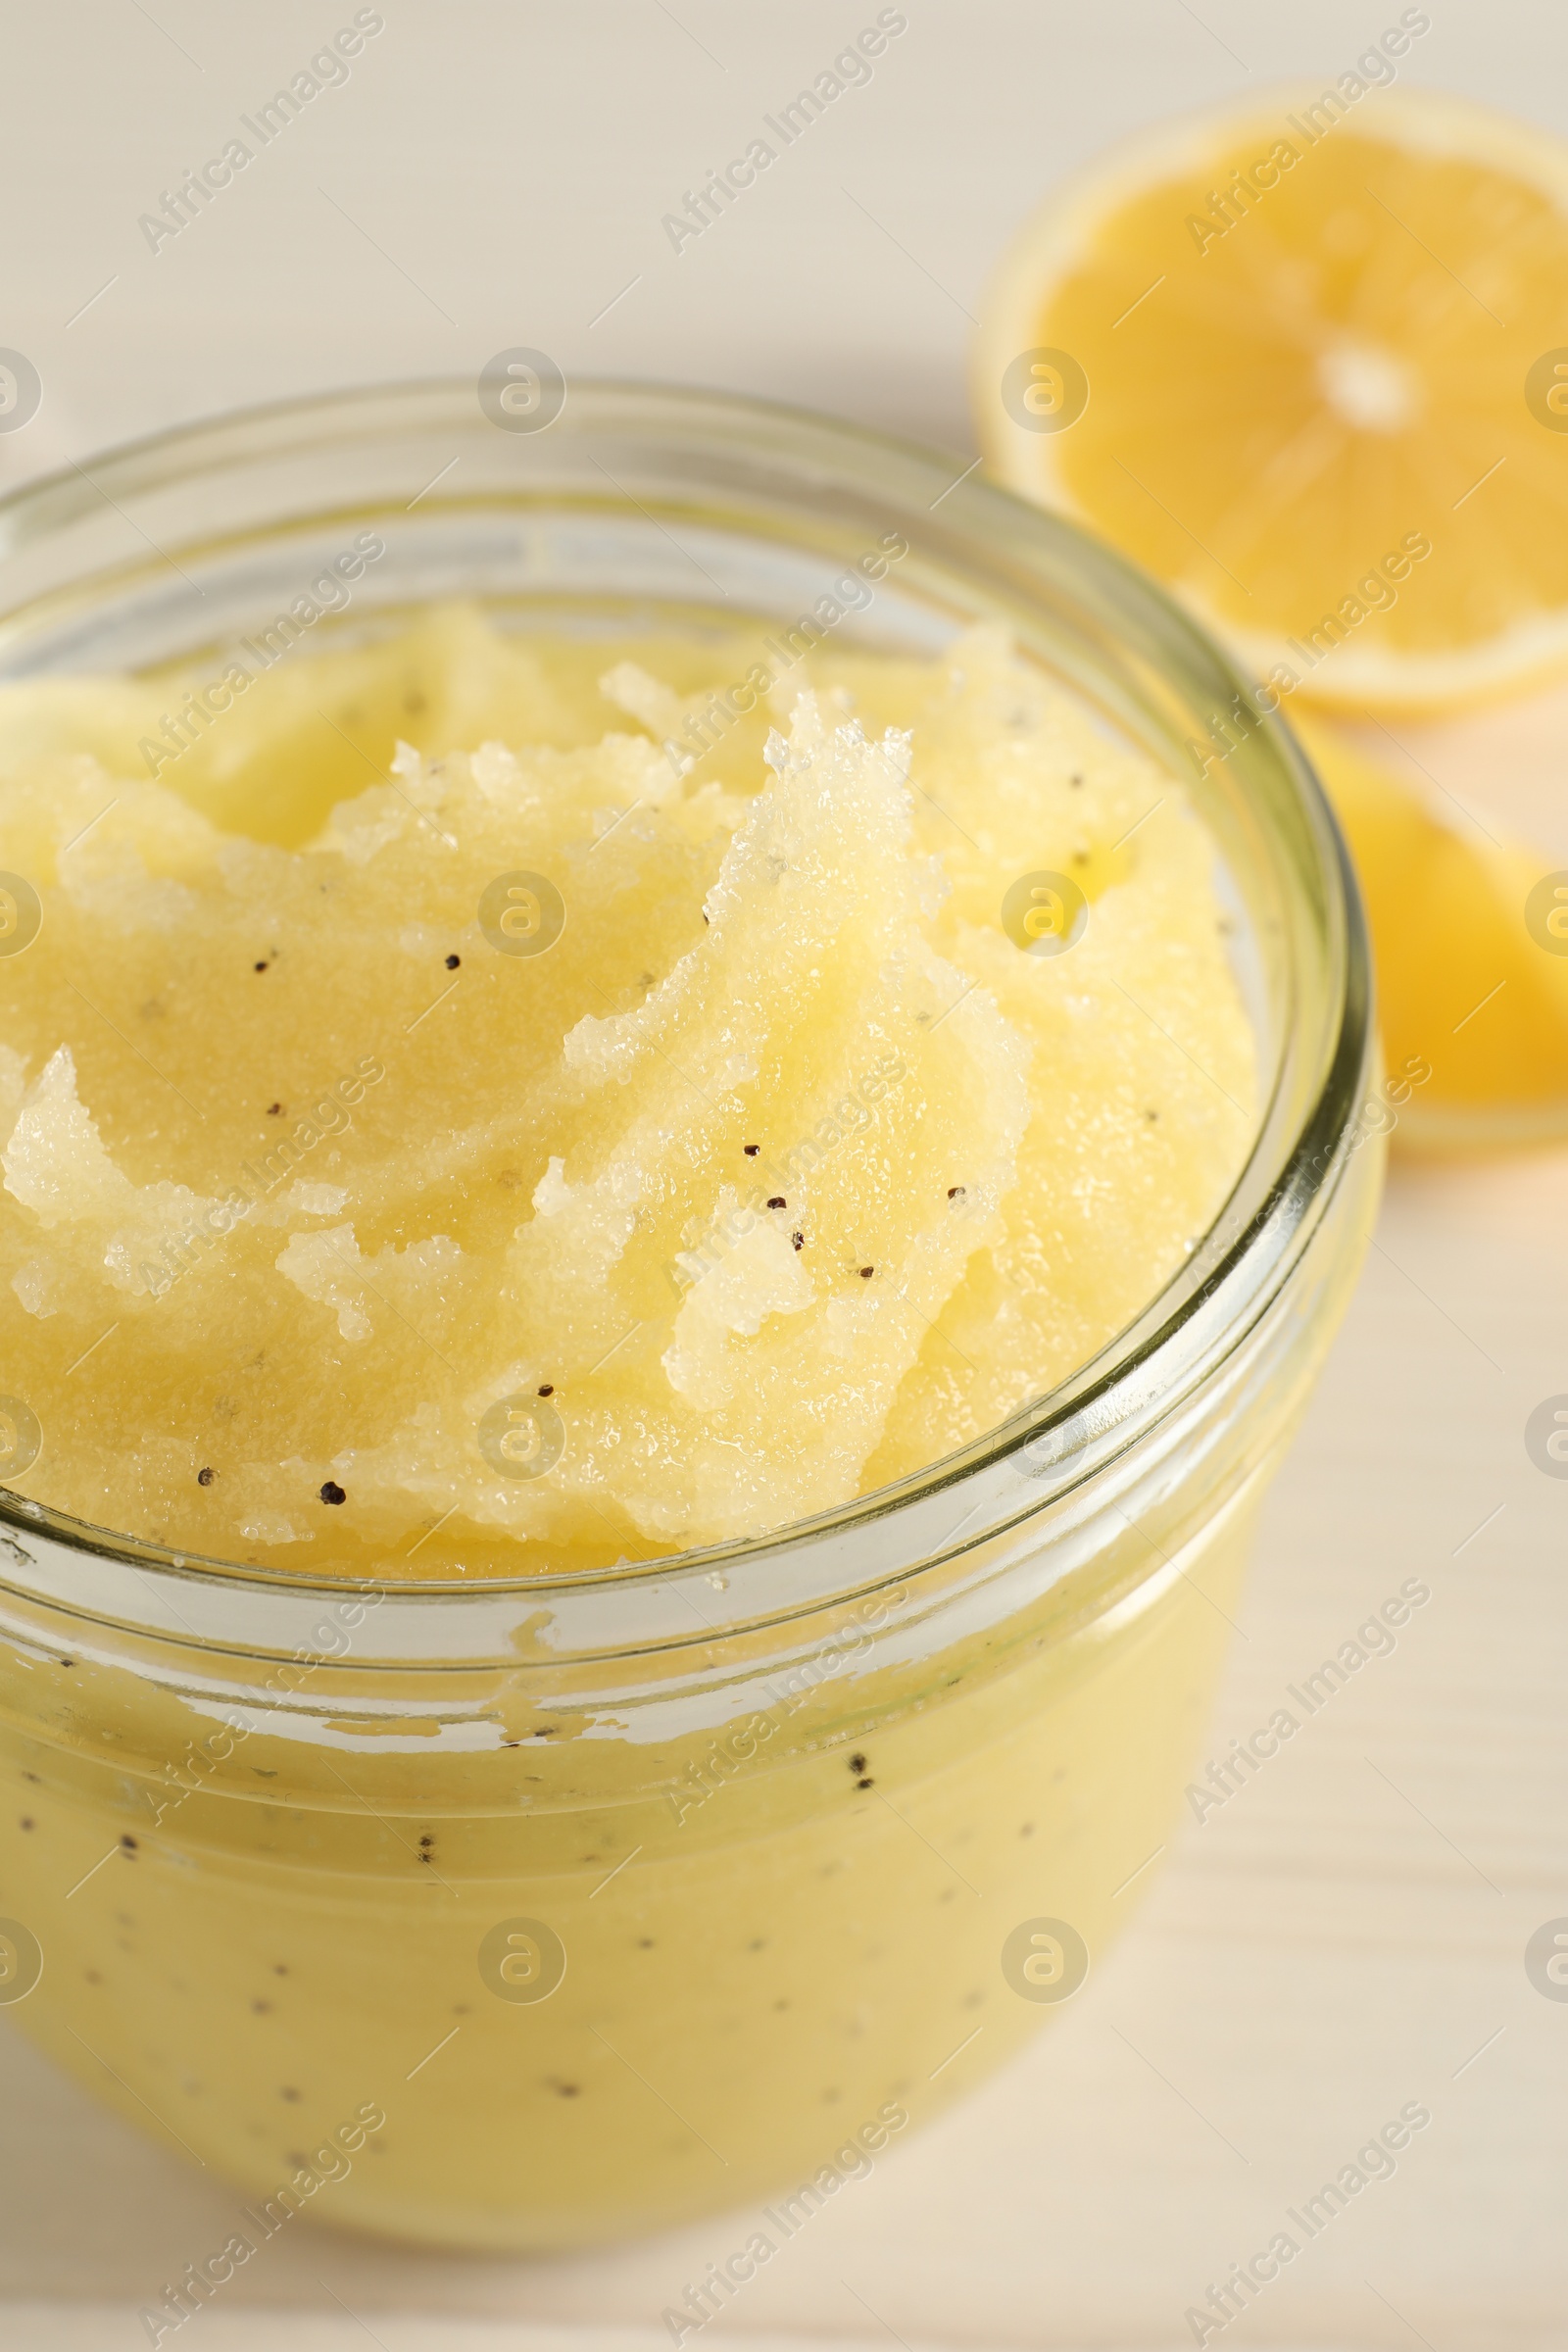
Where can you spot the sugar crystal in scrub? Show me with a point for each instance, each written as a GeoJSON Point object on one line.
{"type": "Point", "coordinates": [517, 1155]}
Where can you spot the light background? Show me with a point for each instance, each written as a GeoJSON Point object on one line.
{"type": "Point", "coordinates": [1345, 1935]}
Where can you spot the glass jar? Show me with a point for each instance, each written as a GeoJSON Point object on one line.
{"type": "Point", "coordinates": [541, 1911]}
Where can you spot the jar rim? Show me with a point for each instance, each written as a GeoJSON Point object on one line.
{"type": "Point", "coordinates": [1292, 1167]}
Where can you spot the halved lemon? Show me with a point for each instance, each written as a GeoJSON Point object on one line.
{"type": "Point", "coordinates": [1470, 939]}
{"type": "Point", "coordinates": [1306, 359]}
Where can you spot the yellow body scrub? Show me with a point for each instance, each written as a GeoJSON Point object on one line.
{"type": "Point", "coordinates": [541, 1178]}
{"type": "Point", "coordinates": [551, 1146]}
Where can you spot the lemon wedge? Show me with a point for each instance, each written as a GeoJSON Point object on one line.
{"type": "Point", "coordinates": [1471, 944]}
{"type": "Point", "coordinates": [1306, 359]}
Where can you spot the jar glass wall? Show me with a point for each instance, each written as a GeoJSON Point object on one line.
{"type": "Point", "coordinates": [551, 1909]}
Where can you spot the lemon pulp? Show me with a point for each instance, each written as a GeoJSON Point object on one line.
{"type": "Point", "coordinates": [1326, 384]}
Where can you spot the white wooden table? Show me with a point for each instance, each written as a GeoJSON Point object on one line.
{"type": "Point", "coordinates": [1348, 1934]}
